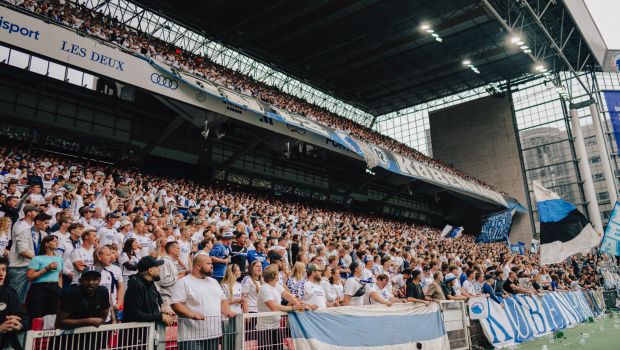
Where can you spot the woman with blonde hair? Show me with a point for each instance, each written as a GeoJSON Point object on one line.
{"type": "Point", "coordinates": [5, 233]}
{"type": "Point", "coordinates": [298, 275]}
{"type": "Point", "coordinates": [233, 289]}
{"type": "Point", "coordinates": [233, 293]}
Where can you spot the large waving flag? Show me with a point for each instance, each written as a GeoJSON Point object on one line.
{"type": "Point", "coordinates": [496, 227]}
{"type": "Point", "coordinates": [404, 326]}
{"type": "Point", "coordinates": [611, 238]}
{"type": "Point", "coordinates": [564, 231]}
{"type": "Point", "coordinates": [452, 232]}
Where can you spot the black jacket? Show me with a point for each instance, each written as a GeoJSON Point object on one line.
{"type": "Point", "coordinates": [9, 303]}
{"type": "Point", "coordinates": [142, 301]}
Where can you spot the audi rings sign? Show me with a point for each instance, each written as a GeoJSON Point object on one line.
{"type": "Point", "coordinates": [164, 81]}
{"type": "Point", "coordinates": [106, 59]}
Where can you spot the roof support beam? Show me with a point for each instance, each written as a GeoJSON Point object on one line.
{"type": "Point", "coordinates": [168, 130]}
{"type": "Point", "coordinates": [361, 186]}
{"type": "Point", "coordinates": [230, 161]}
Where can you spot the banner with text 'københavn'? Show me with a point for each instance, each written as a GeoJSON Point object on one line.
{"type": "Point", "coordinates": [525, 317]}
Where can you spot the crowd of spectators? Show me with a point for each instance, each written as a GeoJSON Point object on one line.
{"type": "Point", "coordinates": [93, 243]}
{"type": "Point", "coordinates": [103, 27]}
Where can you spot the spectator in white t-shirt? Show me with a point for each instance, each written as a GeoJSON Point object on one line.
{"type": "Point", "coordinates": [199, 302]}
{"type": "Point", "coordinates": [354, 289]}
{"type": "Point", "coordinates": [468, 288]}
{"type": "Point", "coordinates": [270, 299]}
{"type": "Point", "coordinates": [381, 292]}
{"type": "Point", "coordinates": [82, 257]}
{"type": "Point", "coordinates": [251, 286]}
{"type": "Point", "coordinates": [129, 258]}
{"type": "Point", "coordinates": [108, 234]}
{"type": "Point", "coordinates": [311, 292]}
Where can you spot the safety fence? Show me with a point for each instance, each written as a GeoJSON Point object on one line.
{"type": "Point", "coordinates": [122, 336]}
{"type": "Point", "coordinates": [262, 331]}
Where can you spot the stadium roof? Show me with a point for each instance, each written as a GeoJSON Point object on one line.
{"type": "Point", "coordinates": [381, 56]}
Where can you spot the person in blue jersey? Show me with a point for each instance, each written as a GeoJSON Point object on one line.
{"type": "Point", "coordinates": [487, 288]}
{"type": "Point", "coordinates": [258, 253]}
{"type": "Point", "coordinates": [221, 255]}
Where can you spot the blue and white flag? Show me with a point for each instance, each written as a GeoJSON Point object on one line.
{"type": "Point", "coordinates": [611, 239]}
{"type": "Point", "coordinates": [451, 232]}
{"type": "Point", "coordinates": [564, 231]}
{"type": "Point", "coordinates": [495, 227]}
{"type": "Point", "coordinates": [518, 248]}
{"type": "Point", "coordinates": [359, 328]}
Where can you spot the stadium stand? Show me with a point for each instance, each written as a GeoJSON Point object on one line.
{"type": "Point", "coordinates": [87, 21]}
{"type": "Point", "coordinates": [91, 238]}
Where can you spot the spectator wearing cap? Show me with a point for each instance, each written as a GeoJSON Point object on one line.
{"type": "Point", "coordinates": [86, 217]}
{"type": "Point", "coordinates": [26, 245]}
{"type": "Point", "coordinates": [448, 288]}
{"type": "Point", "coordinates": [435, 290]}
{"type": "Point", "coordinates": [82, 258]}
{"type": "Point", "coordinates": [240, 252]}
{"type": "Point", "coordinates": [199, 302]}
{"type": "Point", "coordinates": [311, 292]}
{"type": "Point", "coordinates": [86, 304]}
{"type": "Point", "coordinates": [369, 263]}
{"type": "Point", "coordinates": [13, 319]}
{"type": "Point", "coordinates": [488, 289]}
{"type": "Point", "coordinates": [26, 222]}
{"type": "Point", "coordinates": [220, 255]}
{"type": "Point", "coordinates": [143, 303]}
{"type": "Point", "coordinates": [44, 273]}
{"type": "Point", "coordinates": [108, 234]}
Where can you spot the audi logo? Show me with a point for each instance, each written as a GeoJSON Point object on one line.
{"type": "Point", "coordinates": [164, 81]}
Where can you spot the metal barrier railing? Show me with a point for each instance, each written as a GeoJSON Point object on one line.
{"type": "Point", "coordinates": [456, 322]}
{"type": "Point", "coordinates": [262, 331]}
{"type": "Point", "coordinates": [123, 336]}
{"type": "Point", "coordinates": [266, 331]}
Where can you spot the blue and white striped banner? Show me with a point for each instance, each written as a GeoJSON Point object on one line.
{"type": "Point", "coordinates": [399, 327]}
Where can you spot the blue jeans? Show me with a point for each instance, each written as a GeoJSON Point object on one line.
{"type": "Point", "coordinates": [19, 282]}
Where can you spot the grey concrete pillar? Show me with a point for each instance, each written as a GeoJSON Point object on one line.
{"type": "Point", "coordinates": [586, 175]}
{"type": "Point", "coordinates": [604, 153]}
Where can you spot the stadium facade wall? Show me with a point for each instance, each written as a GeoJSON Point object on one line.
{"type": "Point", "coordinates": [478, 137]}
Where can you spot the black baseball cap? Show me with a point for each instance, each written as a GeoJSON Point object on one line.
{"type": "Point", "coordinates": [147, 262]}
{"type": "Point", "coordinates": [90, 274]}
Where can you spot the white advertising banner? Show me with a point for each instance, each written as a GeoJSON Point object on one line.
{"type": "Point", "coordinates": [65, 45]}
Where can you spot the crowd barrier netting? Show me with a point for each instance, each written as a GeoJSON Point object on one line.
{"type": "Point", "coordinates": [524, 317]}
